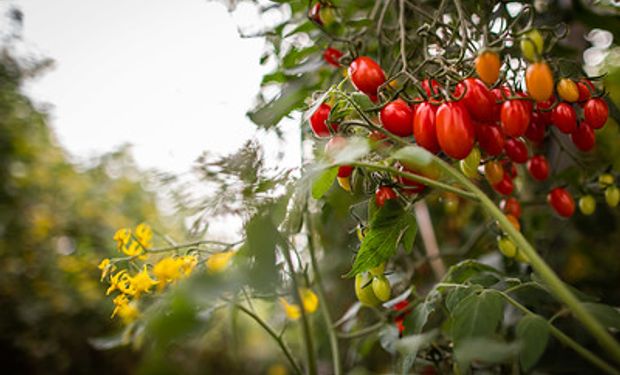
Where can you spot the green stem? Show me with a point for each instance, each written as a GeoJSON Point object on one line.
{"type": "Point", "coordinates": [564, 339]}
{"type": "Point", "coordinates": [331, 333]}
{"type": "Point", "coordinates": [424, 180]}
{"type": "Point", "coordinates": [553, 282]}
{"type": "Point", "coordinates": [285, 349]}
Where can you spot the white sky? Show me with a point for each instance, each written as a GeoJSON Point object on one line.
{"type": "Point", "coordinates": [171, 77]}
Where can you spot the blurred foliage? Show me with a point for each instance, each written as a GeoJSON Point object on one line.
{"type": "Point", "coordinates": [57, 219]}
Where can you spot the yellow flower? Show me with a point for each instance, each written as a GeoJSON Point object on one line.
{"type": "Point", "coordinates": [219, 262]}
{"type": "Point", "coordinates": [167, 271]}
{"type": "Point", "coordinates": [188, 262]}
{"type": "Point", "coordinates": [119, 281]}
{"type": "Point", "coordinates": [309, 300]}
{"type": "Point", "coordinates": [292, 311]}
{"type": "Point", "coordinates": [144, 234]}
{"type": "Point", "coordinates": [127, 311]}
{"type": "Point", "coordinates": [106, 268]}
{"type": "Point", "coordinates": [122, 237]}
{"type": "Point", "coordinates": [141, 283]}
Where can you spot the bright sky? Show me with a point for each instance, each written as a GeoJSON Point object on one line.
{"type": "Point", "coordinates": [171, 77]}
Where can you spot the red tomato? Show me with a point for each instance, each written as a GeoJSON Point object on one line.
{"type": "Point", "coordinates": [505, 186]}
{"type": "Point", "coordinates": [499, 94]}
{"type": "Point", "coordinates": [384, 193]}
{"type": "Point", "coordinates": [478, 100]}
{"type": "Point", "coordinates": [510, 169]}
{"type": "Point", "coordinates": [538, 167]}
{"type": "Point", "coordinates": [515, 117]}
{"type": "Point", "coordinates": [455, 131]}
{"type": "Point", "coordinates": [511, 206]}
{"type": "Point", "coordinates": [542, 108]}
{"type": "Point", "coordinates": [490, 139]}
{"type": "Point", "coordinates": [537, 129]}
{"type": "Point", "coordinates": [318, 121]}
{"type": "Point", "coordinates": [431, 87]}
{"type": "Point", "coordinates": [584, 91]}
{"type": "Point", "coordinates": [397, 118]}
{"type": "Point", "coordinates": [366, 75]}
{"type": "Point", "coordinates": [595, 112]}
{"type": "Point", "coordinates": [424, 127]}
{"type": "Point", "coordinates": [561, 201]}
{"type": "Point", "coordinates": [345, 171]}
{"type": "Point", "coordinates": [516, 150]}
{"type": "Point", "coordinates": [583, 137]}
{"type": "Point", "coordinates": [564, 118]}
{"type": "Point", "coordinates": [332, 56]}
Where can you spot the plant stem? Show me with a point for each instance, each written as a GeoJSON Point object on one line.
{"type": "Point", "coordinates": [331, 333]}
{"type": "Point", "coordinates": [285, 349]}
{"type": "Point", "coordinates": [556, 286]}
{"type": "Point", "coordinates": [563, 338]}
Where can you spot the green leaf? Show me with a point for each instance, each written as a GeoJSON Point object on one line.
{"type": "Point", "coordinates": [468, 269]}
{"type": "Point", "coordinates": [477, 315]}
{"type": "Point", "coordinates": [409, 346]}
{"type": "Point", "coordinates": [324, 182]}
{"type": "Point", "coordinates": [414, 323]}
{"type": "Point", "coordinates": [484, 350]}
{"type": "Point", "coordinates": [456, 295]}
{"type": "Point", "coordinates": [385, 232]}
{"type": "Point", "coordinates": [608, 316]}
{"type": "Point", "coordinates": [410, 232]}
{"type": "Point", "coordinates": [533, 331]}
{"type": "Point", "coordinates": [295, 56]}
{"type": "Point", "coordinates": [291, 97]}
{"type": "Point", "coordinates": [362, 101]}
{"type": "Point", "coordinates": [388, 336]}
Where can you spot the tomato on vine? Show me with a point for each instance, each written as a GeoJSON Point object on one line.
{"type": "Point", "coordinates": [366, 75]}
{"type": "Point", "coordinates": [455, 131]}
{"type": "Point", "coordinates": [532, 45]}
{"type": "Point", "coordinates": [318, 121]}
{"type": "Point", "coordinates": [561, 201]}
{"type": "Point", "coordinates": [612, 196]}
{"type": "Point", "coordinates": [505, 186]}
{"type": "Point", "coordinates": [424, 128]}
{"type": "Point", "coordinates": [596, 112]}
{"type": "Point", "coordinates": [564, 118]}
{"type": "Point", "coordinates": [381, 288]}
{"type": "Point", "coordinates": [494, 172]}
{"type": "Point", "coordinates": [584, 87]}
{"type": "Point", "coordinates": [490, 139]}
{"type": "Point", "coordinates": [583, 137]}
{"type": "Point", "coordinates": [538, 166]}
{"type": "Point", "coordinates": [383, 194]}
{"type": "Point", "coordinates": [487, 67]}
{"type": "Point", "coordinates": [478, 100]}
{"type": "Point", "coordinates": [332, 56]}
{"type": "Point", "coordinates": [515, 117]}
{"type": "Point", "coordinates": [397, 118]}
{"type": "Point", "coordinates": [568, 90]}
{"type": "Point", "coordinates": [539, 81]}
{"type": "Point", "coordinates": [587, 205]}
{"type": "Point", "coordinates": [511, 206]}
{"type": "Point", "coordinates": [516, 150]}
{"type": "Point", "coordinates": [537, 130]}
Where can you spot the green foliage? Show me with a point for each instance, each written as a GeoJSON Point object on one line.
{"type": "Point", "coordinates": [533, 332]}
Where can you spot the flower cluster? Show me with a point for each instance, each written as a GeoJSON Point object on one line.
{"type": "Point", "coordinates": [309, 300]}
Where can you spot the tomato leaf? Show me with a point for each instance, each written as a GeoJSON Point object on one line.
{"type": "Point", "coordinates": [608, 316]}
{"type": "Point", "coordinates": [533, 332]}
{"type": "Point", "coordinates": [410, 232]}
{"type": "Point", "coordinates": [409, 346]}
{"type": "Point", "coordinates": [477, 316]}
{"type": "Point", "coordinates": [414, 323]}
{"type": "Point", "coordinates": [456, 295]}
{"type": "Point", "coordinates": [467, 270]}
{"type": "Point", "coordinates": [485, 350]}
{"type": "Point", "coordinates": [324, 182]}
{"type": "Point", "coordinates": [362, 101]}
{"type": "Point", "coordinates": [385, 232]}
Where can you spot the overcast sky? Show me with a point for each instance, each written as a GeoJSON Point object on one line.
{"type": "Point", "coordinates": [171, 77]}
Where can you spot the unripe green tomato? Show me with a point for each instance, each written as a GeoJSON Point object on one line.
{"type": "Point", "coordinates": [612, 196]}
{"type": "Point", "coordinates": [473, 159]}
{"type": "Point", "coordinates": [506, 246]}
{"type": "Point", "coordinates": [378, 271]}
{"type": "Point", "coordinates": [363, 290]}
{"type": "Point", "coordinates": [450, 204]}
{"type": "Point", "coordinates": [468, 171]}
{"type": "Point", "coordinates": [605, 180]}
{"type": "Point", "coordinates": [521, 257]}
{"type": "Point", "coordinates": [532, 45]}
{"type": "Point", "coordinates": [381, 288]}
{"type": "Point", "coordinates": [587, 205]}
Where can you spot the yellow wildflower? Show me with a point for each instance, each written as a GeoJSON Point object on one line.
{"type": "Point", "coordinates": [188, 263]}
{"type": "Point", "coordinates": [127, 311]}
{"type": "Point", "coordinates": [144, 235]}
{"type": "Point", "coordinates": [106, 268]}
{"type": "Point", "coordinates": [309, 300]}
{"type": "Point", "coordinates": [141, 283]}
{"type": "Point", "coordinates": [219, 262]}
{"type": "Point", "coordinates": [292, 311]}
{"type": "Point", "coordinates": [119, 281]}
{"type": "Point", "coordinates": [167, 271]}
{"type": "Point", "coordinates": [122, 237]}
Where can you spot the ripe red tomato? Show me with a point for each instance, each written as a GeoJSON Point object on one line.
{"type": "Point", "coordinates": [490, 139]}
{"type": "Point", "coordinates": [586, 88]}
{"type": "Point", "coordinates": [516, 150]}
{"type": "Point", "coordinates": [366, 75]}
{"type": "Point", "coordinates": [542, 108]}
{"type": "Point", "coordinates": [510, 168]}
{"type": "Point", "coordinates": [499, 93]}
{"type": "Point", "coordinates": [431, 87]}
{"type": "Point", "coordinates": [561, 201]}
{"type": "Point", "coordinates": [384, 193]}
{"type": "Point", "coordinates": [564, 118]}
{"type": "Point", "coordinates": [537, 129]}
{"type": "Point", "coordinates": [583, 137]}
{"type": "Point", "coordinates": [538, 166]}
{"type": "Point", "coordinates": [345, 171]}
{"type": "Point", "coordinates": [424, 127]}
{"type": "Point", "coordinates": [478, 100]}
{"type": "Point", "coordinates": [332, 56]}
{"type": "Point", "coordinates": [505, 186]}
{"type": "Point", "coordinates": [318, 121]}
{"type": "Point", "coordinates": [397, 118]}
{"type": "Point", "coordinates": [511, 206]}
{"type": "Point", "coordinates": [595, 112]}
{"type": "Point", "coordinates": [455, 131]}
{"type": "Point", "coordinates": [515, 117]}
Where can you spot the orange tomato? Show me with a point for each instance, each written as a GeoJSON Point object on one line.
{"type": "Point", "coordinates": [539, 81]}
{"type": "Point", "coordinates": [494, 172]}
{"type": "Point", "coordinates": [514, 221]}
{"type": "Point", "coordinates": [487, 67]}
{"type": "Point", "coordinates": [568, 90]}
